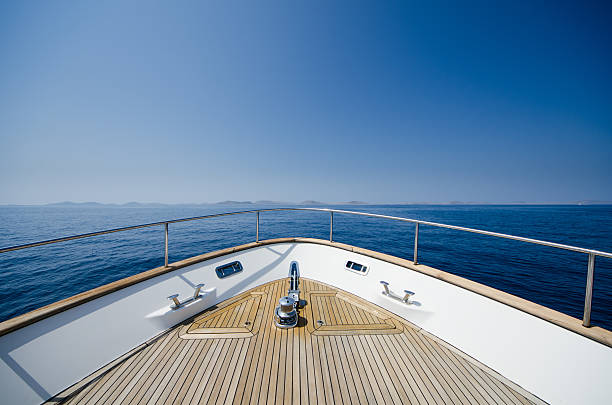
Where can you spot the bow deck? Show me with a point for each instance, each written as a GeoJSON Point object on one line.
{"type": "Point", "coordinates": [344, 350]}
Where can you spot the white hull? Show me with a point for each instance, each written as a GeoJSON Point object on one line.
{"type": "Point", "coordinates": [555, 364]}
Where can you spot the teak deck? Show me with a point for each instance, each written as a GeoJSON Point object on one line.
{"type": "Point", "coordinates": [344, 350]}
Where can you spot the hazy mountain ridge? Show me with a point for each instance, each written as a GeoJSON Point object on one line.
{"type": "Point", "coordinates": [135, 204]}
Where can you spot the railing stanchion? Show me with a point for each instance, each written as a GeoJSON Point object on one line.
{"type": "Point", "coordinates": [331, 225]}
{"type": "Point", "coordinates": [257, 229]}
{"type": "Point", "coordinates": [586, 320]}
{"type": "Point", "coordinates": [166, 249]}
{"type": "Point", "coordinates": [416, 242]}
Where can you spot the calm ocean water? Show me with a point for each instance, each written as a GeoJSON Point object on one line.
{"type": "Point", "coordinates": [38, 276]}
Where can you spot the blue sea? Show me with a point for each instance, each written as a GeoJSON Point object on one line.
{"type": "Point", "coordinates": [35, 277]}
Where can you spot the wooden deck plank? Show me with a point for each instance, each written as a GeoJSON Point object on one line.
{"type": "Point", "coordinates": [288, 383]}
{"type": "Point", "coordinates": [243, 314]}
{"type": "Point", "coordinates": [483, 381]}
{"type": "Point", "coordinates": [356, 316]}
{"type": "Point", "coordinates": [333, 372]}
{"type": "Point", "coordinates": [404, 390]}
{"type": "Point", "coordinates": [321, 308]}
{"type": "Point", "coordinates": [338, 308]}
{"type": "Point", "coordinates": [324, 394]}
{"type": "Point", "coordinates": [226, 376]}
{"type": "Point", "coordinates": [139, 386]}
{"type": "Point", "coordinates": [342, 379]}
{"type": "Point", "coordinates": [276, 388]}
{"type": "Point", "coordinates": [329, 312]}
{"type": "Point", "coordinates": [465, 383]}
{"type": "Point", "coordinates": [207, 382]}
{"type": "Point", "coordinates": [354, 361]}
{"type": "Point", "coordinates": [454, 375]}
{"type": "Point", "coordinates": [355, 313]}
{"type": "Point", "coordinates": [344, 309]}
{"type": "Point", "coordinates": [518, 398]}
{"type": "Point", "coordinates": [377, 374]}
{"type": "Point", "coordinates": [356, 394]}
{"type": "Point", "coordinates": [199, 379]}
{"type": "Point", "coordinates": [437, 370]}
{"type": "Point", "coordinates": [150, 370]}
{"type": "Point", "coordinates": [477, 388]}
{"type": "Point", "coordinates": [407, 369]}
{"type": "Point", "coordinates": [310, 367]}
{"type": "Point", "coordinates": [303, 375]}
{"type": "Point", "coordinates": [369, 371]}
{"type": "Point", "coordinates": [158, 377]}
{"type": "Point", "coordinates": [113, 387]}
{"type": "Point", "coordinates": [264, 360]}
{"type": "Point", "coordinates": [278, 354]}
{"type": "Point", "coordinates": [420, 374]}
{"type": "Point", "coordinates": [245, 386]}
{"type": "Point", "coordinates": [231, 388]}
{"type": "Point", "coordinates": [429, 369]}
{"type": "Point", "coordinates": [345, 375]}
{"type": "Point", "coordinates": [177, 364]}
{"type": "Point", "coordinates": [186, 375]}
{"type": "Point", "coordinates": [390, 383]}
{"type": "Point", "coordinates": [360, 376]}
{"type": "Point", "coordinates": [315, 383]}
{"type": "Point", "coordinates": [295, 373]}
{"type": "Point", "coordinates": [332, 394]}
{"type": "Point", "coordinates": [130, 380]}
{"type": "Point", "coordinates": [106, 382]}
{"type": "Point", "coordinates": [500, 388]}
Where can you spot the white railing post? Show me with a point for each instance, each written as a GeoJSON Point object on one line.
{"type": "Point", "coordinates": [166, 243]}
{"type": "Point", "coordinates": [331, 225]}
{"type": "Point", "coordinates": [586, 320]}
{"type": "Point", "coordinates": [257, 229]}
{"type": "Point", "coordinates": [416, 242]}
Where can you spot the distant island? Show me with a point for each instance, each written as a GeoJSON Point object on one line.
{"type": "Point", "coordinates": [309, 203]}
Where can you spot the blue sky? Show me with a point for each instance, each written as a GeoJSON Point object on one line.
{"type": "Point", "coordinates": [380, 102]}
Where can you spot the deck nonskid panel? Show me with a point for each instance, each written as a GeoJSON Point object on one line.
{"type": "Point", "coordinates": [344, 350]}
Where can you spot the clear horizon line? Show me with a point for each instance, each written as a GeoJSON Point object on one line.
{"type": "Point", "coordinates": [308, 202]}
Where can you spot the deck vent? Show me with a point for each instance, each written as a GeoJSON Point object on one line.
{"type": "Point", "coordinates": [285, 314]}
{"type": "Point", "coordinates": [356, 267]}
{"type": "Point", "coordinates": [227, 270]}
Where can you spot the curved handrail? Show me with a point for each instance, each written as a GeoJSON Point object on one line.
{"type": "Point", "coordinates": [125, 228]}
{"type": "Point", "coordinates": [591, 252]}
{"type": "Point", "coordinates": [367, 214]}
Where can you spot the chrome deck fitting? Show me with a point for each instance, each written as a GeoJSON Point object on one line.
{"type": "Point", "coordinates": [405, 299]}
{"type": "Point", "coordinates": [285, 314]}
{"type": "Point", "coordinates": [176, 303]}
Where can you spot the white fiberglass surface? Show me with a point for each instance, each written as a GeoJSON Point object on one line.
{"type": "Point", "coordinates": [557, 365]}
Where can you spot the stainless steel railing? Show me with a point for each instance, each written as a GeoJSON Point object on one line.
{"type": "Point", "coordinates": [586, 321]}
